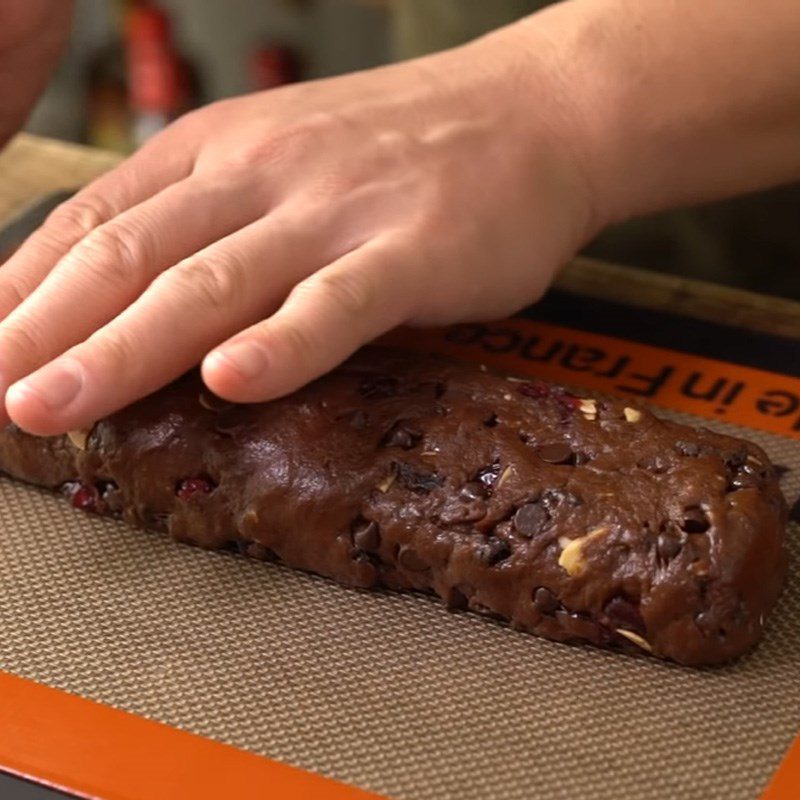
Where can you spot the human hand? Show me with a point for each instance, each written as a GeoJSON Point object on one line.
{"type": "Point", "coordinates": [32, 35]}
{"type": "Point", "coordinates": [271, 235]}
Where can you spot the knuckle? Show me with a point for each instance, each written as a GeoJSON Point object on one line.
{"type": "Point", "coordinates": [214, 282]}
{"type": "Point", "coordinates": [114, 349]}
{"type": "Point", "coordinates": [13, 290]}
{"type": "Point", "coordinates": [299, 341]}
{"type": "Point", "coordinates": [351, 293]}
{"type": "Point", "coordinates": [26, 338]}
{"type": "Point", "coordinates": [74, 219]}
{"type": "Point", "coordinates": [113, 253]}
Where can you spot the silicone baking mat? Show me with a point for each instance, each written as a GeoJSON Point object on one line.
{"type": "Point", "coordinates": [392, 693]}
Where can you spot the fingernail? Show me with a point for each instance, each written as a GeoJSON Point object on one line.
{"type": "Point", "coordinates": [246, 358]}
{"type": "Point", "coordinates": [56, 385]}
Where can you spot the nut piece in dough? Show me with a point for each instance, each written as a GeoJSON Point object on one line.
{"type": "Point", "coordinates": [635, 638]}
{"type": "Point", "coordinates": [79, 438]}
{"type": "Point", "coordinates": [571, 558]}
{"type": "Point", "coordinates": [632, 414]}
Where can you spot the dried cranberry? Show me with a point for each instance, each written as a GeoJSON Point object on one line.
{"type": "Point", "coordinates": [538, 391]}
{"type": "Point", "coordinates": [190, 487]}
{"type": "Point", "coordinates": [81, 496]}
{"type": "Point", "coordinates": [556, 453]}
{"type": "Point", "coordinates": [568, 403]}
{"type": "Point", "coordinates": [623, 613]}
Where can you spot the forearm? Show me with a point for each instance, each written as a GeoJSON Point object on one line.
{"type": "Point", "coordinates": [675, 102]}
{"type": "Point", "coordinates": [32, 36]}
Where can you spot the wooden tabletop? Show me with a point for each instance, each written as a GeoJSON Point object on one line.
{"type": "Point", "coordinates": [31, 167]}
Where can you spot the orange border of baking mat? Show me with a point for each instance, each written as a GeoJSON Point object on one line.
{"type": "Point", "coordinates": [68, 742]}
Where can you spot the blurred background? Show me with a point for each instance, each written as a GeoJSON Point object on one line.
{"type": "Point", "coordinates": [131, 67]}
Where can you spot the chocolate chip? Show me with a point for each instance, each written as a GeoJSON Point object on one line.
{"type": "Point", "coordinates": [737, 459]}
{"type": "Point", "coordinates": [494, 550]}
{"type": "Point", "coordinates": [367, 537]}
{"type": "Point", "coordinates": [411, 560]}
{"type": "Point", "coordinates": [667, 547]}
{"type": "Point", "coordinates": [439, 389]}
{"type": "Point", "coordinates": [211, 402]}
{"type": "Point", "coordinates": [231, 420]}
{"type": "Point", "coordinates": [456, 600]}
{"type": "Point", "coordinates": [748, 477]}
{"type": "Point", "coordinates": [403, 436]}
{"type": "Point", "coordinates": [695, 520]}
{"type": "Point", "coordinates": [416, 480]}
{"type": "Point", "coordinates": [488, 475]}
{"type": "Point", "coordinates": [545, 601]}
{"type": "Point", "coordinates": [558, 453]}
{"type": "Point", "coordinates": [689, 449]}
{"type": "Point", "coordinates": [625, 614]}
{"type": "Point", "coordinates": [379, 386]}
{"type": "Point", "coordinates": [474, 490]}
{"type": "Point", "coordinates": [530, 519]}
{"type": "Point", "coordinates": [491, 422]}
{"type": "Point", "coordinates": [656, 464]}
{"type": "Point", "coordinates": [356, 419]}
{"type": "Point", "coordinates": [553, 498]}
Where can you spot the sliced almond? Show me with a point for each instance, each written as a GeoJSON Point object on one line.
{"type": "Point", "coordinates": [636, 639]}
{"type": "Point", "coordinates": [386, 483]}
{"type": "Point", "coordinates": [508, 397]}
{"type": "Point", "coordinates": [482, 367]}
{"type": "Point", "coordinates": [572, 558]}
{"type": "Point", "coordinates": [504, 476]}
{"type": "Point", "coordinates": [563, 541]}
{"type": "Point", "coordinates": [632, 414]}
{"type": "Point", "coordinates": [588, 407]}
{"type": "Point", "coordinates": [79, 438]}
{"type": "Point", "coordinates": [512, 379]}
{"type": "Point", "coordinates": [751, 459]}
{"type": "Point", "coordinates": [250, 517]}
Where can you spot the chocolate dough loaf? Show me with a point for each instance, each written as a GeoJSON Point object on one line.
{"type": "Point", "coordinates": [575, 519]}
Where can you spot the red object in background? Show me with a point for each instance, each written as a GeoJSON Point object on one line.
{"type": "Point", "coordinates": [160, 80]}
{"type": "Point", "coordinates": [273, 65]}
{"type": "Point", "coordinates": [155, 72]}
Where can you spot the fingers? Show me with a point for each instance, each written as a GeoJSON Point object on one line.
{"type": "Point", "coordinates": [105, 272]}
{"type": "Point", "coordinates": [185, 312]}
{"type": "Point", "coordinates": [144, 174]}
{"type": "Point", "coordinates": [325, 319]}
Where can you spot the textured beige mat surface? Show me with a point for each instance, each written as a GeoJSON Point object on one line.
{"type": "Point", "coordinates": [390, 693]}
